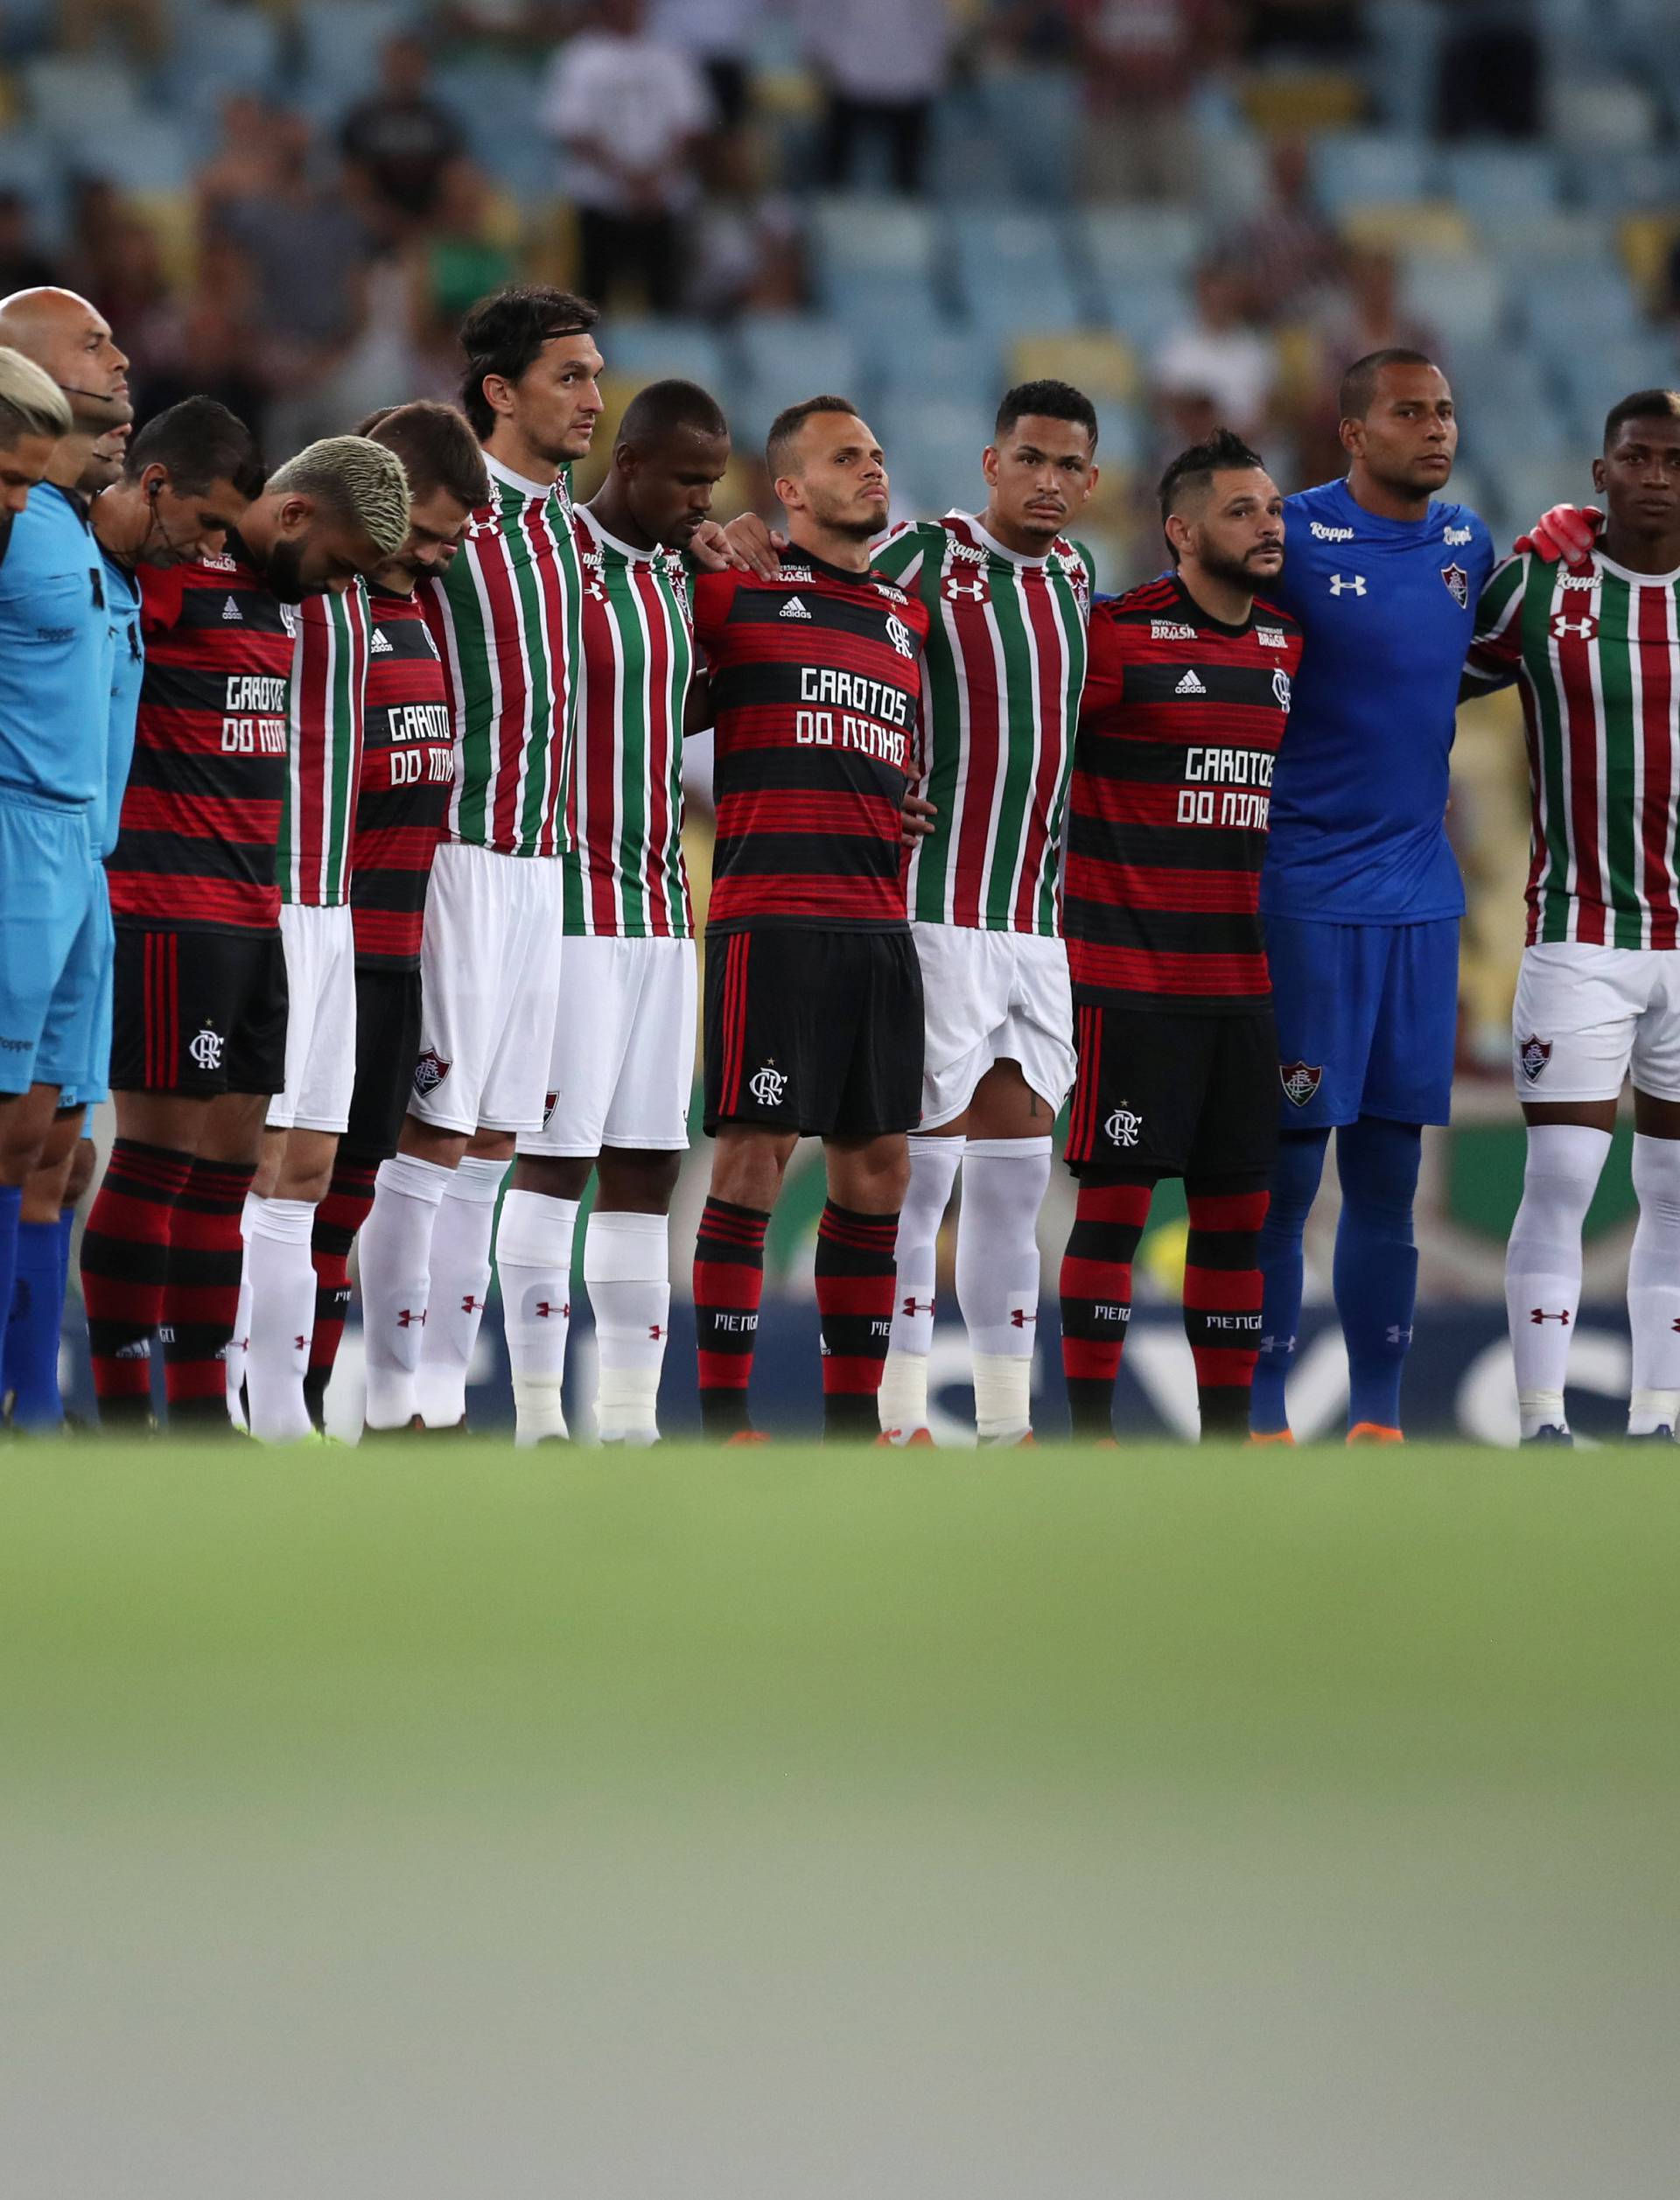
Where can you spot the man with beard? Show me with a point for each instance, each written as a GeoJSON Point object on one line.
{"type": "Point", "coordinates": [1187, 697]}
{"type": "Point", "coordinates": [169, 496]}
{"type": "Point", "coordinates": [199, 1043]}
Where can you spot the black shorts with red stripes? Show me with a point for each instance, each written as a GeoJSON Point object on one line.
{"type": "Point", "coordinates": [814, 1032]}
{"type": "Point", "coordinates": [199, 1011]}
{"type": "Point", "coordinates": [388, 1043]}
{"type": "Point", "coordinates": [1173, 1092]}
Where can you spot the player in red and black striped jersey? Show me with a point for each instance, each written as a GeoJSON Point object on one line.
{"type": "Point", "coordinates": [1187, 697]}
{"type": "Point", "coordinates": [199, 1012]}
{"type": "Point", "coordinates": [814, 1014]}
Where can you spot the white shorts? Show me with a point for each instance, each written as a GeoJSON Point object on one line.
{"type": "Point", "coordinates": [622, 1069]}
{"type": "Point", "coordinates": [320, 1020]}
{"type": "Point", "coordinates": [489, 972]}
{"type": "Point", "coordinates": [992, 997]}
{"type": "Point", "coordinates": [1584, 1015]}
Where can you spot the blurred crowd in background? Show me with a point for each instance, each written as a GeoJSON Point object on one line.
{"type": "Point", "coordinates": [1199, 210]}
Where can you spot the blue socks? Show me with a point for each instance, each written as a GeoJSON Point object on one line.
{"type": "Point", "coordinates": [1376, 1275]}
{"type": "Point", "coordinates": [33, 1327]}
{"type": "Point", "coordinates": [1294, 1187]}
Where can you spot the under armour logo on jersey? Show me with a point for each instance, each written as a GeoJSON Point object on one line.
{"type": "Point", "coordinates": [976, 588]}
{"type": "Point", "coordinates": [1585, 626]}
{"type": "Point", "coordinates": [231, 609]}
{"type": "Point", "coordinates": [767, 1086]}
{"type": "Point", "coordinates": [1190, 685]}
{"type": "Point", "coordinates": [1122, 1126]}
{"type": "Point", "coordinates": [1539, 1315]}
{"type": "Point", "coordinates": [545, 1310]}
{"type": "Point", "coordinates": [206, 1049]}
{"type": "Point", "coordinates": [1341, 583]}
{"type": "Point", "coordinates": [794, 609]}
{"type": "Point", "coordinates": [381, 644]}
{"type": "Point", "coordinates": [407, 1318]}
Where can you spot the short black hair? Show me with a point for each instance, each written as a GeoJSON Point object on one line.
{"type": "Point", "coordinates": [1046, 401]}
{"type": "Point", "coordinates": [1359, 383]}
{"type": "Point", "coordinates": [438, 449]}
{"type": "Point", "coordinates": [666, 407]}
{"type": "Point", "coordinates": [1644, 404]}
{"type": "Point", "coordinates": [201, 443]}
{"type": "Point", "coordinates": [787, 425]}
{"type": "Point", "coordinates": [504, 333]}
{"type": "Point", "coordinates": [1224, 452]}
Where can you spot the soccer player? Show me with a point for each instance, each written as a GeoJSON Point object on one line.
{"type": "Point", "coordinates": [199, 1044]}
{"type": "Point", "coordinates": [1360, 891]}
{"type": "Point", "coordinates": [1186, 699]}
{"type": "Point", "coordinates": [1596, 657]}
{"type": "Point", "coordinates": [505, 616]}
{"type": "Point", "coordinates": [162, 504]}
{"type": "Point", "coordinates": [371, 757]}
{"type": "Point", "coordinates": [813, 1009]}
{"type": "Point", "coordinates": [623, 1061]}
{"type": "Point", "coordinates": [1007, 595]}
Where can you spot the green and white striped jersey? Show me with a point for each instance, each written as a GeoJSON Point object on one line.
{"type": "Point", "coordinates": [1597, 658]}
{"type": "Point", "coordinates": [1005, 664]}
{"type": "Point", "coordinates": [505, 619]}
{"type": "Point", "coordinates": [623, 872]}
{"type": "Point", "coordinates": [329, 680]}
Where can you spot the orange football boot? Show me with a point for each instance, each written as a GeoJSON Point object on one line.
{"type": "Point", "coordinates": [1374, 1433]}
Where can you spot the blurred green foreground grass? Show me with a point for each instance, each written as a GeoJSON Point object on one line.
{"type": "Point", "coordinates": [443, 1820]}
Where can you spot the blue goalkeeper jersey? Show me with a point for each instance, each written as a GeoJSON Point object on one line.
{"type": "Point", "coordinates": [55, 655]}
{"type": "Point", "coordinates": [1359, 795]}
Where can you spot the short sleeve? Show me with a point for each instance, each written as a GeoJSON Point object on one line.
{"type": "Point", "coordinates": [713, 594]}
{"type": "Point", "coordinates": [1496, 647]}
{"type": "Point", "coordinates": [161, 593]}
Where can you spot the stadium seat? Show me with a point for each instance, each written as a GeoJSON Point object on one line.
{"type": "Point", "coordinates": [1497, 180]}
{"type": "Point", "coordinates": [1124, 243]}
{"type": "Point", "coordinates": [1355, 167]}
{"type": "Point", "coordinates": [651, 348]}
{"type": "Point", "coordinates": [1605, 116]}
{"type": "Point", "coordinates": [220, 50]}
{"type": "Point", "coordinates": [791, 355]}
{"type": "Point", "coordinates": [1012, 270]}
{"type": "Point", "coordinates": [1143, 311]}
{"type": "Point", "coordinates": [1463, 299]}
{"type": "Point", "coordinates": [952, 364]}
{"type": "Point", "coordinates": [1405, 39]}
{"type": "Point", "coordinates": [1036, 116]}
{"type": "Point", "coordinates": [76, 97]}
{"type": "Point", "coordinates": [886, 236]}
{"type": "Point", "coordinates": [140, 152]}
{"type": "Point", "coordinates": [1565, 308]}
{"type": "Point", "coordinates": [341, 40]}
{"type": "Point", "coordinates": [1105, 367]}
{"type": "Point", "coordinates": [1424, 225]}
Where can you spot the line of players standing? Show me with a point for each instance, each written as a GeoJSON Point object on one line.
{"type": "Point", "coordinates": [522, 674]}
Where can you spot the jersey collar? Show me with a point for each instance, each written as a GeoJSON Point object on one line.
{"type": "Point", "coordinates": [625, 550]}
{"type": "Point", "coordinates": [509, 479]}
{"type": "Point", "coordinates": [989, 541]}
{"type": "Point", "coordinates": [1635, 580]}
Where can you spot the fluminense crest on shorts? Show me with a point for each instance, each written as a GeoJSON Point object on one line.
{"type": "Point", "coordinates": [1300, 1080]}
{"type": "Point", "coordinates": [430, 1072]}
{"type": "Point", "coordinates": [550, 1101]}
{"type": "Point", "coordinates": [1533, 1054]}
{"type": "Point", "coordinates": [1458, 585]}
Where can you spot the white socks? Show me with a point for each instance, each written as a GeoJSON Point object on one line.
{"type": "Point", "coordinates": [1542, 1264]}
{"type": "Point", "coordinates": [534, 1268]}
{"type": "Point", "coordinates": [279, 1298]}
{"type": "Point", "coordinates": [460, 1282]}
{"type": "Point", "coordinates": [902, 1398]}
{"type": "Point", "coordinates": [1654, 1288]}
{"type": "Point", "coordinates": [627, 1271]}
{"type": "Point", "coordinates": [233, 1358]}
{"type": "Point", "coordinates": [1004, 1184]}
{"type": "Point", "coordinates": [395, 1263]}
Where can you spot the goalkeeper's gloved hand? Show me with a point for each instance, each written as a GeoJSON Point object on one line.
{"type": "Point", "coordinates": [1568, 531]}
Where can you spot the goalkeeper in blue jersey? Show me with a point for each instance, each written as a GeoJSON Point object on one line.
{"type": "Point", "coordinates": [1361, 892]}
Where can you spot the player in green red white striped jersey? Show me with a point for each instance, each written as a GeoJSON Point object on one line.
{"type": "Point", "coordinates": [354, 1026]}
{"type": "Point", "coordinates": [1009, 595]}
{"type": "Point", "coordinates": [623, 1061]}
{"type": "Point", "coordinates": [1596, 653]}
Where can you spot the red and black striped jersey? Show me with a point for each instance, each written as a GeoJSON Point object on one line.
{"type": "Point", "coordinates": [816, 677]}
{"type": "Point", "coordinates": [201, 814]}
{"type": "Point", "coordinates": [408, 766]}
{"type": "Point", "coordinates": [1180, 721]}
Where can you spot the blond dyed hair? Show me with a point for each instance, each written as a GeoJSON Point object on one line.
{"type": "Point", "coordinates": [358, 479]}
{"type": "Point", "coordinates": [31, 401]}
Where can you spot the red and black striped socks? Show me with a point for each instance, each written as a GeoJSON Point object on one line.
{"type": "Point", "coordinates": [1096, 1293]}
{"type": "Point", "coordinates": [124, 1267]}
{"type": "Point", "coordinates": [340, 1215]}
{"type": "Point", "coordinates": [728, 1285]}
{"type": "Point", "coordinates": [856, 1270]}
{"type": "Point", "coordinates": [1222, 1289]}
{"type": "Point", "coordinates": [201, 1292]}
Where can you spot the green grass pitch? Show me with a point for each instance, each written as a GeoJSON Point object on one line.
{"type": "Point", "coordinates": [1191, 1826]}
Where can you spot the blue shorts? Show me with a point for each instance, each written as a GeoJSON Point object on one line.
{"type": "Point", "coordinates": [96, 1087]}
{"type": "Point", "coordinates": [55, 947]}
{"type": "Point", "coordinates": [1368, 1018]}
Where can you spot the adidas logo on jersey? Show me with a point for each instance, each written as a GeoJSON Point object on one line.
{"type": "Point", "coordinates": [231, 609]}
{"type": "Point", "coordinates": [1190, 685]}
{"type": "Point", "coordinates": [381, 645]}
{"type": "Point", "coordinates": [793, 609]}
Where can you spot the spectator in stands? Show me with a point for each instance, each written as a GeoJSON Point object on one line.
{"type": "Point", "coordinates": [629, 112]}
{"type": "Point", "coordinates": [458, 260]}
{"type": "Point", "coordinates": [1490, 80]}
{"type": "Point", "coordinates": [1368, 316]}
{"type": "Point", "coordinates": [23, 265]}
{"type": "Point", "coordinates": [1290, 252]}
{"type": "Point", "coordinates": [719, 35]}
{"type": "Point", "coordinates": [206, 344]}
{"type": "Point", "coordinates": [882, 64]}
{"type": "Point", "coordinates": [1141, 61]}
{"type": "Point", "coordinates": [1216, 354]}
{"type": "Point", "coordinates": [143, 25]}
{"type": "Point", "coordinates": [242, 166]}
{"type": "Point", "coordinates": [397, 142]}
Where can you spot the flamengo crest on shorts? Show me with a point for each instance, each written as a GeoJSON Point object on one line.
{"type": "Point", "coordinates": [1300, 1082]}
{"type": "Point", "coordinates": [1534, 1054]}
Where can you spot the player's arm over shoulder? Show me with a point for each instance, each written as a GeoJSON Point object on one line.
{"type": "Point", "coordinates": [712, 596]}
{"type": "Point", "coordinates": [900, 553]}
{"type": "Point", "coordinates": [162, 592]}
{"type": "Point", "coordinates": [1496, 656]}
